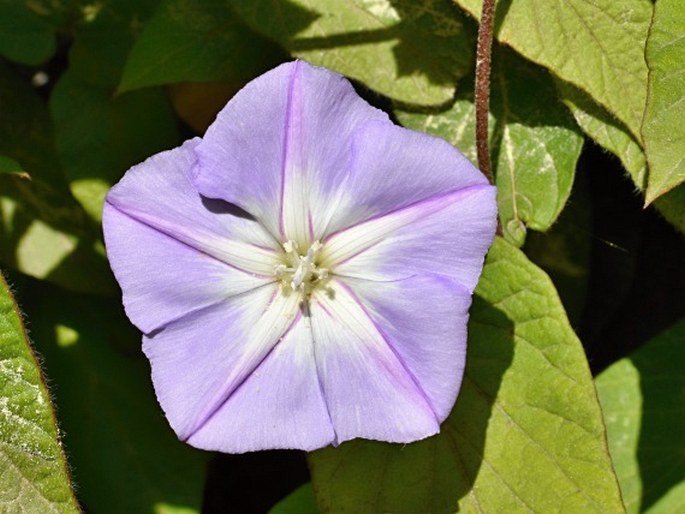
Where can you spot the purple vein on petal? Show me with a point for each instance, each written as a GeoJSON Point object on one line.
{"type": "Point", "coordinates": [436, 199]}
{"type": "Point", "coordinates": [229, 388]}
{"type": "Point", "coordinates": [143, 220]}
{"type": "Point", "coordinates": [294, 77]}
{"type": "Point", "coordinates": [193, 312]}
{"type": "Point", "coordinates": [318, 375]}
{"type": "Point", "coordinates": [392, 348]}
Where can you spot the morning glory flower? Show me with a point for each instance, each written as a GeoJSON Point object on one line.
{"type": "Point", "coordinates": [302, 274]}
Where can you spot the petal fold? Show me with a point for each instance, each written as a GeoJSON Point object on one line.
{"type": "Point", "coordinates": [393, 167]}
{"type": "Point", "coordinates": [445, 235]}
{"type": "Point", "coordinates": [368, 390]}
{"type": "Point", "coordinates": [282, 146]}
{"type": "Point", "coordinates": [424, 319]}
{"type": "Point", "coordinates": [160, 194]}
{"type": "Point", "coordinates": [199, 361]}
{"type": "Point", "coordinates": [163, 279]}
{"type": "Point", "coordinates": [279, 405]}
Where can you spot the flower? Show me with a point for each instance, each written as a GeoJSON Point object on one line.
{"type": "Point", "coordinates": [302, 274]}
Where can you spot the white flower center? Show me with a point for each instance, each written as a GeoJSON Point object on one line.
{"type": "Point", "coordinates": [300, 272]}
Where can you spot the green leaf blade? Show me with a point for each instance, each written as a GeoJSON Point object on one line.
{"type": "Point", "coordinates": [197, 41]}
{"type": "Point", "coordinates": [526, 433]}
{"type": "Point", "coordinates": [597, 123]}
{"type": "Point", "coordinates": [641, 397]}
{"type": "Point", "coordinates": [662, 129]}
{"type": "Point", "coordinates": [373, 42]}
{"type": "Point", "coordinates": [33, 470]}
{"type": "Point", "coordinates": [535, 143]}
{"type": "Point", "coordinates": [597, 46]}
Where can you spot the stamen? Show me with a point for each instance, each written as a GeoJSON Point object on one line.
{"type": "Point", "coordinates": [302, 274]}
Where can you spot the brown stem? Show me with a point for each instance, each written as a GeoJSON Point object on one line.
{"type": "Point", "coordinates": [482, 88]}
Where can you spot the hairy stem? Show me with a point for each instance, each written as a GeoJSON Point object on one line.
{"type": "Point", "coordinates": [482, 87]}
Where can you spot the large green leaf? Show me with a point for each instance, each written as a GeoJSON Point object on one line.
{"type": "Point", "coordinates": [526, 433]}
{"type": "Point", "coordinates": [612, 135]}
{"type": "Point", "coordinates": [412, 51]}
{"type": "Point", "coordinates": [535, 142]}
{"type": "Point", "coordinates": [194, 40]}
{"type": "Point", "coordinates": [125, 457]}
{"type": "Point", "coordinates": [43, 231]}
{"type": "Point", "coordinates": [99, 137]}
{"type": "Point", "coordinates": [662, 129]}
{"type": "Point", "coordinates": [642, 399]}
{"type": "Point", "coordinates": [33, 471]}
{"type": "Point", "coordinates": [598, 46]}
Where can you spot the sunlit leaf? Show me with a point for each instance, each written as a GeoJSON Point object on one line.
{"type": "Point", "coordinates": [412, 51]}
{"type": "Point", "coordinates": [662, 128]}
{"type": "Point", "coordinates": [526, 434]}
{"type": "Point", "coordinates": [199, 41]}
{"type": "Point", "coordinates": [124, 456]}
{"type": "Point", "coordinates": [598, 46]}
{"type": "Point", "coordinates": [33, 470]}
{"type": "Point", "coordinates": [642, 401]}
{"type": "Point", "coordinates": [534, 141]}
{"type": "Point", "coordinates": [46, 236]}
{"type": "Point", "coordinates": [612, 135]}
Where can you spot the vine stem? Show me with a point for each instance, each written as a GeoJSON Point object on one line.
{"type": "Point", "coordinates": [482, 87]}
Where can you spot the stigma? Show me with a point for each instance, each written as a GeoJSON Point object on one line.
{"type": "Point", "coordinates": [300, 272]}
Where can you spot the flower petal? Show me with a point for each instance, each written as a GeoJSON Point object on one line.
{"type": "Point", "coordinates": [159, 193]}
{"type": "Point", "coordinates": [281, 148]}
{"type": "Point", "coordinates": [164, 279]}
{"type": "Point", "coordinates": [423, 319]}
{"type": "Point", "coordinates": [279, 405]}
{"type": "Point", "coordinates": [200, 360]}
{"type": "Point", "coordinates": [368, 390]}
{"type": "Point", "coordinates": [446, 235]}
{"type": "Point", "coordinates": [393, 168]}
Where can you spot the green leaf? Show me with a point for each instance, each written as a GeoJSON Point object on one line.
{"type": "Point", "coordinates": [411, 51]}
{"type": "Point", "coordinates": [300, 501]}
{"type": "Point", "coordinates": [642, 400]}
{"type": "Point", "coordinates": [662, 128]}
{"type": "Point", "coordinates": [46, 235]}
{"type": "Point", "coordinates": [526, 433]}
{"type": "Point", "coordinates": [535, 143]}
{"type": "Point", "coordinates": [33, 471]}
{"type": "Point", "coordinates": [124, 455]}
{"type": "Point", "coordinates": [99, 137]}
{"type": "Point", "coordinates": [198, 41]}
{"type": "Point", "coordinates": [613, 136]}
{"type": "Point", "coordinates": [8, 165]}
{"type": "Point", "coordinates": [597, 46]}
{"type": "Point", "coordinates": [26, 35]}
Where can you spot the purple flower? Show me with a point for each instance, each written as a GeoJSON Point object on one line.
{"type": "Point", "coordinates": [302, 274]}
